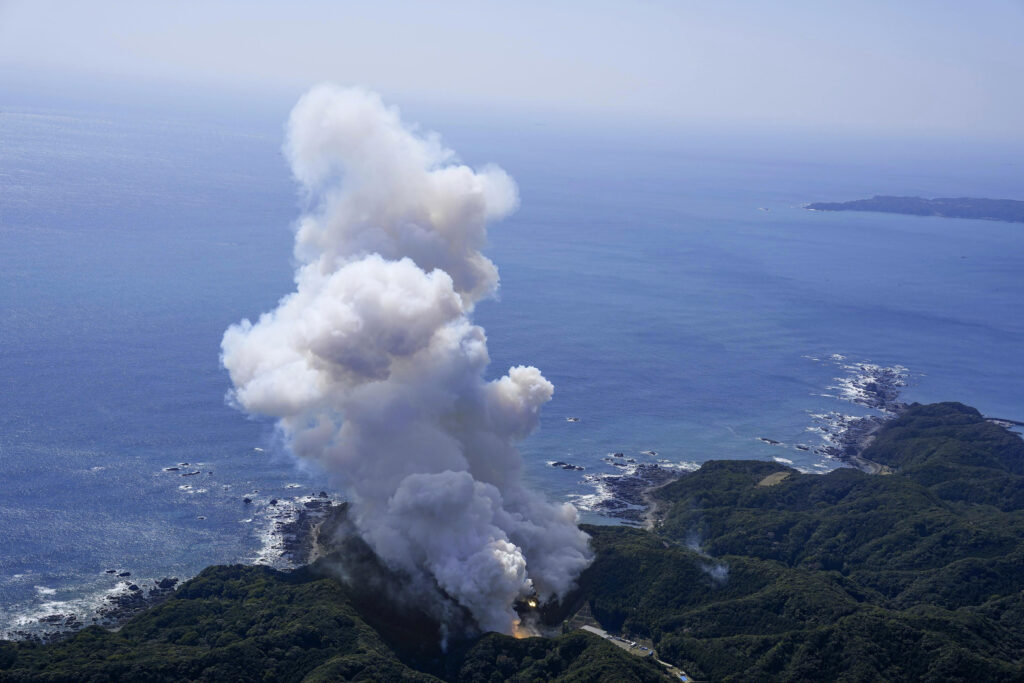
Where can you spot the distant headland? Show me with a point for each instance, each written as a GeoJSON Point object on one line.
{"type": "Point", "coordinates": [1008, 210]}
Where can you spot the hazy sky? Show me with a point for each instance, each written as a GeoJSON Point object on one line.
{"type": "Point", "coordinates": [928, 66]}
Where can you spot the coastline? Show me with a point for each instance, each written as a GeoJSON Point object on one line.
{"type": "Point", "coordinates": [868, 385]}
{"type": "Point", "coordinates": [112, 608]}
{"type": "Point", "coordinates": [625, 495]}
{"type": "Point", "coordinates": [290, 541]}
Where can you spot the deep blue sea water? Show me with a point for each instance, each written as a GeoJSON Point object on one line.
{"type": "Point", "coordinates": [640, 275]}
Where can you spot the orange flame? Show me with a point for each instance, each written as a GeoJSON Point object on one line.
{"type": "Point", "coordinates": [521, 629]}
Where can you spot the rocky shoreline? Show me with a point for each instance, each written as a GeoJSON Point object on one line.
{"type": "Point", "coordinates": [624, 495]}
{"type": "Point", "coordinates": [868, 385]}
{"type": "Point", "coordinates": [295, 526]}
{"type": "Point", "coordinates": [844, 437]}
{"type": "Point", "coordinates": [117, 608]}
{"type": "Point", "coordinates": [628, 500]}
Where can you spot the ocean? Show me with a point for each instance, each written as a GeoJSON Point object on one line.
{"type": "Point", "coordinates": [667, 282]}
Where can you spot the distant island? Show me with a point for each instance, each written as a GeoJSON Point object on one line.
{"type": "Point", "coordinates": [751, 571]}
{"type": "Point", "coordinates": [1008, 210]}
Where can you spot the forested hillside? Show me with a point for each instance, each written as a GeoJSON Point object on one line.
{"type": "Point", "coordinates": [753, 572]}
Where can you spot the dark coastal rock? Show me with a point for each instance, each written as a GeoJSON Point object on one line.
{"type": "Point", "coordinates": [299, 533]}
{"type": "Point", "coordinates": [59, 625]}
{"type": "Point", "coordinates": [628, 499]}
{"type": "Point", "coordinates": [869, 385]}
{"type": "Point", "coordinates": [122, 606]}
{"type": "Point", "coordinates": [247, 500]}
{"type": "Point", "coordinates": [124, 574]}
{"type": "Point", "coordinates": [850, 436]}
{"type": "Point", "coordinates": [273, 501]}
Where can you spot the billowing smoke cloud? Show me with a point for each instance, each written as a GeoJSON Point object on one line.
{"type": "Point", "coordinates": [373, 368]}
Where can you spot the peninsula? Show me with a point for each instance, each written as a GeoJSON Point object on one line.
{"type": "Point", "coordinates": [751, 570]}
{"type": "Point", "coordinates": [1007, 210]}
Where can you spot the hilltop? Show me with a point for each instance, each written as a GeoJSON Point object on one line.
{"type": "Point", "coordinates": [753, 571]}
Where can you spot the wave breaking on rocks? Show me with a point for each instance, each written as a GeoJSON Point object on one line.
{"type": "Point", "coordinates": [622, 495]}
{"type": "Point", "coordinates": [868, 385]}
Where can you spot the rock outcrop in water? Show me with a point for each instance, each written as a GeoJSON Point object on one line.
{"type": "Point", "coordinates": [623, 495]}
{"type": "Point", "coordinates": [872, 386]}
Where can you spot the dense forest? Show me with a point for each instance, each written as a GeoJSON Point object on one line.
{"type": "Point", "coordinates": [1009, 210]}
{"type": "Point", "coordinates": [845, 576]}
{"type": "Point", "coordinates": [753, 571]}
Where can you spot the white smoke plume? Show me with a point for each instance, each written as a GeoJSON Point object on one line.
{"type": "Point", "coordinates": [717, 570]}
{"type": "Point", "coordinates": [374, 369]}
